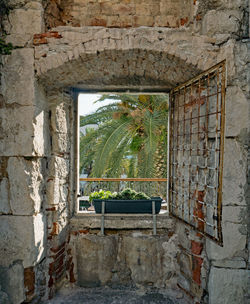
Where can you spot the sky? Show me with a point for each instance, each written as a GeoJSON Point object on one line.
{"type": "Point", "coordinates": [86, 103]}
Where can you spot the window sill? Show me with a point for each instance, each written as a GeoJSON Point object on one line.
{"type": "Point", "coordinates": [91, 220]}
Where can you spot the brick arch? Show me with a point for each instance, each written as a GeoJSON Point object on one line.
{"type": "Point", "coordinates": [113, 57]}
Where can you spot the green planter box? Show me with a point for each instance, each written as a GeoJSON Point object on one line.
{"type": "Point", "coordinates": [128, 206]}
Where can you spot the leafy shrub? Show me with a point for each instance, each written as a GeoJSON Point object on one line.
{"type": "Point", "coordinates": [126, 194]}
{"type": "Point", "coordinates": [101, 194]}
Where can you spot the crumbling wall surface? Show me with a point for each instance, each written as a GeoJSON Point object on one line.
{"type": "Point", "coordinates": [209, 272]}
{"type": "Point", "coordinates": [34, 167]}
{"type": "Point", "coordinates": [222, 16]}
{"type": "Point", "coordinates": [168, 43]}
{"type": "Point", "coordinates": [24, 147]}
{"type": "Point", "coordinates": [230, 263]}
{"type": "Point", "coordinates": [130, 257]}
{"type": "Point", "coordinates": [59, 196]}
{"type": "Point", "coordinates": [121, 58]}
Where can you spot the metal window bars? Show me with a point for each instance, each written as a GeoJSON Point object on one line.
{"type": "Point", "coordinates": [196, 145]}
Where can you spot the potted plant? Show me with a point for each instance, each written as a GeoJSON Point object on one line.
{"type": "Point", "coordinates": [126, 201]}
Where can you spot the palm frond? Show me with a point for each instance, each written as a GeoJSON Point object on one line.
{"type": "Point", "coordinates": [107, 144]}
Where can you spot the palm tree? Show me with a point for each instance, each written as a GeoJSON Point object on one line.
{"type": "Point", "coordinates": [131, 137]}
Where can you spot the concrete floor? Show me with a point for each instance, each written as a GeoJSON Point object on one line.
{"type": "Point", "coordinates": [104, 295]}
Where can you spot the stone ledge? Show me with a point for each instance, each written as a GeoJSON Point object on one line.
{"type": "Point", "coordinates": [120, 221]}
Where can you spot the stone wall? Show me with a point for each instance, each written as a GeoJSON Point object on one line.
{"type": "Point", "coordinates": [37, 144]}
{"type": "Point", "coordinates": [128, 255]}
{"type": "Point", "coordinates": [36, 130]}
{"type": "Point", "coordinates": [151, 13]}
{"type": "Point", "coordinates": [123, 13]}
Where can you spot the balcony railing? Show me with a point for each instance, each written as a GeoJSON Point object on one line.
{"type": "Point", "coordinates": [150, 186]}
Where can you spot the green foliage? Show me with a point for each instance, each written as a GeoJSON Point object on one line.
{"type": "Point", "coordinates": [4, 8]}
{"type": "Point", "coordinates": [128, 138]}
{"type": "Point", "coordinates": [126, 194]}
{"type": "Point", "coordinates": [5, 48]}
{"type": "Point", "coordinates": [101, 194]}
{"type": "Point", "coordinates": [129, 194]}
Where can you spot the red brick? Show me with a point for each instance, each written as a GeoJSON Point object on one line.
{"type": "Point", "coordinates": [59, 262]}
{"type": "Point", "coordinates": [59, 270]}
{"type": "Point", "coordinates": [29, 282]}
{"type": "Point", "coordinates": [196, 247]}
{"type": "Point", "coordinates": [86, 231]}
{"type": "Point", "coordinates": [37, 41]}
{"type": "Point", "coordinates": [58, 248]}
{"type": "Point", "coordinates": [197, 262]}
{"type": "Point", "coordinates": [51, 34]}
{"type": "Point", "coordinates": [51, 282]}
{"type": "Point", "coordinates": [198, 17]}
{"type": "Point", "coordinates": [55, 229]}
{"type": "Point", "coordinates": [98, 22]}
{"type": "Point", "coordinates": [42, 38]}
{"type": "Point", "coordinates": [69, 263]}
{"type": "Point", "coordinates": [56, 256]}
{"type": "Point", "coordinates": [52, 208]}
{"type": "Point", "coordinates": [71, 274]}
{"type": "Point", "coordinates": [184, 21]}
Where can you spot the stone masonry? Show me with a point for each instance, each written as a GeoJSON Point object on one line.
{"type": "Point", "coordinates": [68, 46]}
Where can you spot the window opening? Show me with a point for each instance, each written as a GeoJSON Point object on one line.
{"type": "Point", "coordinates": [197, 119]}
{"type": "Point", "coordinates": [134, 128]}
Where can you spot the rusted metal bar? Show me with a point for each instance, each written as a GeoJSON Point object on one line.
{"type": "Point", "coordinates": [154, 217]}
{"type": "Point", "coordinates": [201, 116]}
{"type": "Point", "coordinates": [205, 73]}
{"type": "Point", "coordinates": [102, 219]}
{"type": "Point", "coordinates": [201, 101]}
{"type": "Point", "coordinates": [222, 134]}
{"type": "Point", "coordinates": [96, 179]}
{"type": "Point", "coordinates": [183, 165]}
{"type": "Point", "coordinates": [199, 149]}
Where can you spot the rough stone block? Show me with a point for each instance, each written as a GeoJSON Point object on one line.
{"type": "Point", "coordinates": [96, 257]}
{"type": "Point", "coordinates": [4, 299]}
{"type": "Point", "coordinates": [60, 143]}
{"type": "Point", "coordinates": [121, 222]}
{"type": "Point", "coordinates": [52, 191]}
{"type": "Point", "coordinates": [141, 253]}
{"type": "Point", "coordinates": [17, 81]}
{"type": "Point", "coordinates": [57, 192]}
{"type": "Point", "coordinates": [22, 238]}
{"type": "Point", "coordinates": [220, 22]}
{"type": "Point", "coordinates": [11, 280]}
{"type": "Point", "coordinates": [227, 286]}
{"type": "Point", "coordinates": [4, 196]}
{"type": "Point", "coordinates": [23, 23]}
{"type": "Point", "coordinates": [234, 243]}
{"type": "Point", "coordinates": [26, 184]}
{"type": "Point", "coordinates": [234, 173]}
{"type": "Point", "coordinates": [237, 109]}
{"type": "Point", "coordinates": [23, 131]}
{"type": "Point", "coordinates": [41, 142]}
{"type": "Point", "coordinates": [60, 118]}
{"type": "Point", "coordinates": [59, 167]}
{"type": "Point", "coordinates": [234, 263]}
{"type": "Point", "coordinates": [234, 214]}
{"type": "Point", "coordinates": [230, 4]}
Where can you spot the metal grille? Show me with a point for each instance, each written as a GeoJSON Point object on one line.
{"type": "Point", "coordinates": [197, 119]}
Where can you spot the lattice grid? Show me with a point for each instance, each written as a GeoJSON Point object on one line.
{"type": "Point", "coordinates": [197, 119]}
